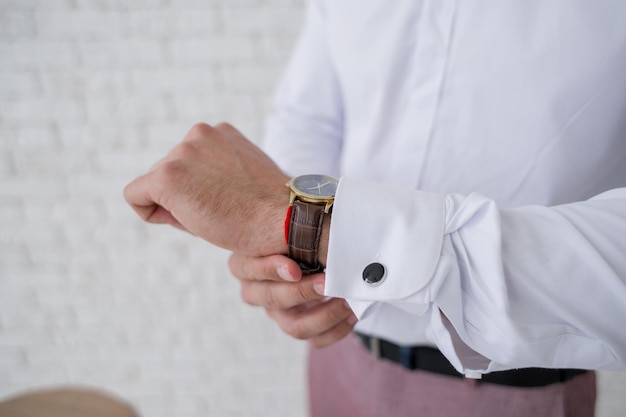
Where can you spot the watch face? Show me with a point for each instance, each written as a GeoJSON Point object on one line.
{"type": "Point", "coordinates": [315, 186]}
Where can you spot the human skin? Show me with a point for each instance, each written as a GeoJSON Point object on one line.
{"type": "Point", "coordinates": [219, 186]}
{"type": "Point", "coordinates": [295, 303]}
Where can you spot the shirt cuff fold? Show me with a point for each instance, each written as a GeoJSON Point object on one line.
{"type": "Point", "coordinates": [398, 228]}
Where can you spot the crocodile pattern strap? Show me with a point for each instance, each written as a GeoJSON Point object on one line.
{"type": "Point", "coordinates": [305, 228]}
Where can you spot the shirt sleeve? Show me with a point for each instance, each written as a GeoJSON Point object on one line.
{"type": "Point", "coordinates": [305, 130]}
{"type": "Point", "coordinates": [502, 288]}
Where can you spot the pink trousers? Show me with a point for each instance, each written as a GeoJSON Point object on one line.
{"type": "Point", "coordinates": [345, 380]}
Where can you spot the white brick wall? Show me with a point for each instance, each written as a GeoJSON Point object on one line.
{"type": "Point", "coordinates": [92, 92]}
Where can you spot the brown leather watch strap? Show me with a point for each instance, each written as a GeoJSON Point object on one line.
{"type": "Point", "coordinates": [305, 228]}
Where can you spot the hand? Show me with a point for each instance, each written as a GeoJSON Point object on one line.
{"type": "Point", "coordinates": [219, 186]}
{"type": "Point", "coordinates": [297, 304]}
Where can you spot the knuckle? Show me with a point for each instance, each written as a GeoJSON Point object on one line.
{"type": "Point", "coordinates": [248, 268]}
{"type": "Point", "coordinates": [300, 293]}
{"type": "Point", "coordinates": [199, 129]}
{"type": "Point", "coordinates": [296, 330]}
{"type": "Point", "coordinates": [318, 342]}
{"type": "Point", "coordinates": [336, 313]}
{"type": "Point", "coordinates": [186, 149]}
{"type": "Point", "coordinates": [170, 171]}
{"type": "Point", "coordinates": [224, 126]}
{"type": "Point", "coordinates": [247, 295]}
{"type": "Point", "coordinates": [268, 269]}
{"type": "Point", "coordinates": [270, 300]}
{"type": "Point", "coordinates": [237, 267]}
{"type": "Point", "coordinates": [328, 338]}
{"type": "Point", "coordinates": [233, 263]}
{"type": "Point", "coordinates": [244, 267]}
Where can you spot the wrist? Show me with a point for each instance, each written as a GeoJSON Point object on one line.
{"type": "Point", "coordinates": [278, 212]}
{"type": "Point", "coordinates": [264, 231]}
{"type": "Point", "coordinates": [308, 220]}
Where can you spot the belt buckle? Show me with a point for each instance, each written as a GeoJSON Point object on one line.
{"type": "Point", "coordinates": [374, 345]}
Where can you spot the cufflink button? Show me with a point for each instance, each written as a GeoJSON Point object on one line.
{"type": "Point", "coordinates": [374, 274]}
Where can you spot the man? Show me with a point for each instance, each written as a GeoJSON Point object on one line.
{"type": "Point", "coordinates": [481, 209]}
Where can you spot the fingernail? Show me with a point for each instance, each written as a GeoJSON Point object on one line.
{"type": "Point", "coordinates": [283, 272]}
{"type": "Point", "coordinates": [319, 288]}
{"type": "Point", "coordinates": [352, 320]}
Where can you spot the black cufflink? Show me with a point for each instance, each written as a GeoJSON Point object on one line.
{"type": "Point", "coordinates": [374, 274]}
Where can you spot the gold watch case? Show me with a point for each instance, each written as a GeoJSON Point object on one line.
{"type": "Point", "coordinates": [313, 188]}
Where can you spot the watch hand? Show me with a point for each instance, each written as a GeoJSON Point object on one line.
{"type": "Point", "coordinates": [319, 186]}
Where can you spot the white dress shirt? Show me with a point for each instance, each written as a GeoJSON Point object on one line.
{"type": "Point", "coordinates": [481, 148]}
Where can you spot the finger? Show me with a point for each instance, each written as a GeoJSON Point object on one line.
{"type": "Point", "coordinates": [162, 216]}
{"type": "Point", "coordinates": [201, 132]}
{"type": "Point", "coordinates": [313, 322]}
{"type": "Point", "coordinates": [334, 334]}
{"type": "Point", "coordinates": [138, 195]}
{"type": "Point", "coordinates": [268, 268]}
{"type": "Point", "coordinates": [282, 295]}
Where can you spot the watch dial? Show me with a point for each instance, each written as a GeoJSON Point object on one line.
{"type": "Point", "coordinates": [316, 185]}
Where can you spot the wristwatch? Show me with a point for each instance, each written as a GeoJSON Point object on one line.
{"type": "Point", "coordinates": [312, 196]}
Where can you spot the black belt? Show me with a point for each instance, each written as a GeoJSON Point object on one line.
{"type": "Point", "coordinates": [432, 360]}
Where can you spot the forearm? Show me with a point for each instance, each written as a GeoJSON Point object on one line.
{"type": "Point", "coordinates": [540, 285]}
{"type": "Point", "coordinates": [503, 278]}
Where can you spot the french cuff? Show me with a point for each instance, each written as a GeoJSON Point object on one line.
{"type": "Point", "coordinates": [385, 243]}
